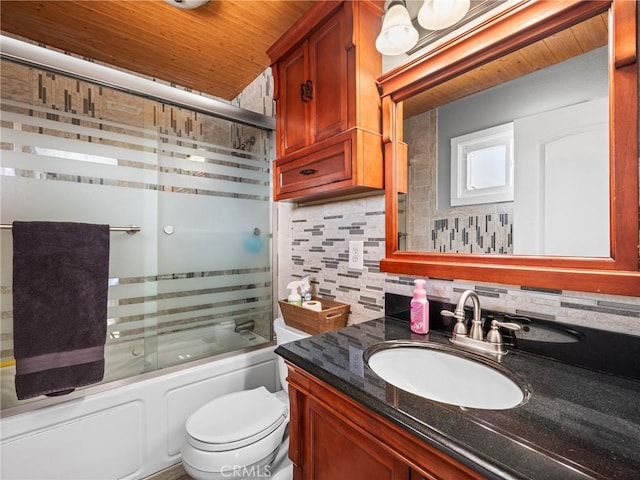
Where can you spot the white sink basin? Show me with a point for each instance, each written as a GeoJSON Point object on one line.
{"type": "Point", "coordinates": [446, 375]}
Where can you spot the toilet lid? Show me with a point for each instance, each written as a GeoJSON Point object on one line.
{"type": "Point", "coordinates": [236, 419]}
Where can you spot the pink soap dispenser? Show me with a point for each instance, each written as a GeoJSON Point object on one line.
{"type": "Point", "coordinates": [419, 309]}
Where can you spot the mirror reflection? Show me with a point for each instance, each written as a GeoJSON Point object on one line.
{"type": "Point", "coordinates": [552, 96]}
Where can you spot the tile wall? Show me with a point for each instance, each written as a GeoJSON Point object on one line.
{"type": "Point", "coordinates": [313, 240]}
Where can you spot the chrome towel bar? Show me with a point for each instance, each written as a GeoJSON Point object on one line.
{"type": "Point", "coordinates": [131, 229]}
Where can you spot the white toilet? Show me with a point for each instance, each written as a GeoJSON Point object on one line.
{"type": "Point", "coordinates": [243, 434]}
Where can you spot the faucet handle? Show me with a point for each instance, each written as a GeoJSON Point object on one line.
{"type": "Point", "coordinates": [508, 325]}
{"type": "Point", "coordinates": [459, 328]}
{"type": "Point", "coordinates": [494, 335]}
{"type": "Point", "coordinates": [447, 313]}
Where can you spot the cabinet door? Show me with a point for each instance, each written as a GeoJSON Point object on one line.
{"type": "Point", "coordinates": [293, 109]}
{"type": "Point", "coordinates": [337, 450]}
{"type": "Point", "coordinates": [328, 74]}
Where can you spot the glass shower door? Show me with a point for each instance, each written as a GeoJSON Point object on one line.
{"type": "Point", "coordinates": [214, 248]}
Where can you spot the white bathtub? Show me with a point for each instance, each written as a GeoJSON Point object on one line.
{"type": "Point", "coordinates": [129, 359]}
{"type": "Point", "coordinates": [128, 432]}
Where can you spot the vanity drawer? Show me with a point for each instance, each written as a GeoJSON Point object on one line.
{"type": "Point", "coordinates": [314, 172]}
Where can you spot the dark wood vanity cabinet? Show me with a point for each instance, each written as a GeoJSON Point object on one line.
{"type": "Point", "coordinates": [328, 115]}
{"type": "Point", "coordinates": [334, 437]}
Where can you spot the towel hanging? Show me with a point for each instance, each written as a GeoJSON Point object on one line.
{"type": "Point", "coordinates": [60, 284]}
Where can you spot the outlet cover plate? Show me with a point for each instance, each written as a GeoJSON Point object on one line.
{"type": "Point", "coordinates": [356, 254]}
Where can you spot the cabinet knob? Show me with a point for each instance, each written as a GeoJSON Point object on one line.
{"type": "Point", "coordinates": [303, 92]}
{"type": "Point", "coordinates": [307, 171]}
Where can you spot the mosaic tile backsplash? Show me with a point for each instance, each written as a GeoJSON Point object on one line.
{"type": "Point", "coordinates": [314, 240]}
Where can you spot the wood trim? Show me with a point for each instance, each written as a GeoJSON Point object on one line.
{"type": "Point", "coordinates": [388, 116]}
{"type": "Point", "coordinates": [503, 34]}
{"type": "Point", "coordinates": [296, 407]}
{"type": "Point", "coordinates": [623, 94]}
{"type": "Point", "coordinates": [307, 23]}
{"type": "Point", "coordinates": [402, 169]}
{"type": "Point", "coordinates": [625, 49]}
{"type": "Point", "coordinates": [579, 280]}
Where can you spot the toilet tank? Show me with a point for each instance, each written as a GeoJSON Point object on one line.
{"type": "Point", "coordinates": [285, 334]}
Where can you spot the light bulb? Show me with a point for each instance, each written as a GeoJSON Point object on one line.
{"type": "Point", "coordinates": [397, 35]}
{"type": "Point", "coordinates": [439, 14]}
{"type": "Point", "coordinates": [187, 4]}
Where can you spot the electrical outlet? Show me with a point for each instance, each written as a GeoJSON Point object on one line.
{"type": "Point", "coordinates": [356, 254]}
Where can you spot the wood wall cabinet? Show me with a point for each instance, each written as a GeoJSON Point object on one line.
{"type": "Point", "coordinates": [333, 436]}
{"type": "Point", "coordinates": [328, 115]}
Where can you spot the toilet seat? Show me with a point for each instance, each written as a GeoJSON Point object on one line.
{"type": "Point", "coordinates": [235, 420]}
{"type": "Point", "coordinates": [249, 425]}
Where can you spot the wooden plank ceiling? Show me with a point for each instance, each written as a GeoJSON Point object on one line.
{"type": "Point", "coordinates": [218, 48]}
{"type": "Point", "coordinates": [581, 38]}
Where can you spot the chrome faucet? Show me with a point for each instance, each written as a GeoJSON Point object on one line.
{"type": "Point", "coordinates": [476, 321]}
{"type": "Point", "coordinates": [474, 338]}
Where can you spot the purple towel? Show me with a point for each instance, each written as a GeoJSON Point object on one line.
{"type": "Point", "coordinates": [60, 283]}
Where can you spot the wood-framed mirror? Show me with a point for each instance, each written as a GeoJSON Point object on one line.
{"type": "Point", "coordinates": [489, 46]}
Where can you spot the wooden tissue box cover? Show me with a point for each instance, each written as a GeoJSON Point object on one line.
{"type": "Point", "coordinates": [333, 315]}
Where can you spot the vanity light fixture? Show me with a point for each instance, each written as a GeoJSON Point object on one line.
{"type": "Point", "coordinates": [439, 14]}
{"type": "Point", "coordinates": [397, 35]}
{"type": "Point", "coordinates": [187, 4]}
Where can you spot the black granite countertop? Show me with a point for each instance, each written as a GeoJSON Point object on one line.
{"type": "Point", "coordinates": [578, 423]}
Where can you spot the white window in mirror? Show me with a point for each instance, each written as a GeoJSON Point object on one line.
{"type": "Point", "coordinates": [482, 166]}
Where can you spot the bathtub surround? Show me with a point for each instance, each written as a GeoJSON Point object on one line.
{"type": "Point", "coordinates": [78, 152]}
{"type": "Point", "coordinates": [129, 432]}
{"type": "Point", "coordinates": [319, 236]}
